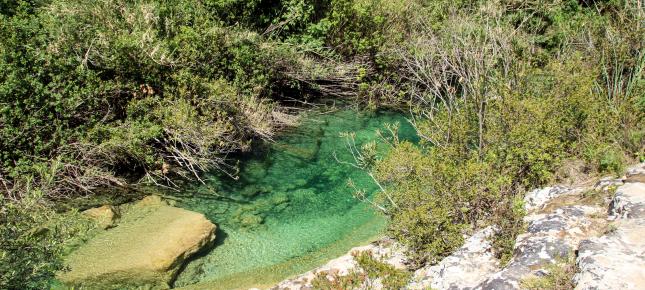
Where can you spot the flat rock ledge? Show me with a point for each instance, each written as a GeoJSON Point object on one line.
{"type": "Point", "coordinates": [146, 249]}
{"type": "Point", "coordinates": [607, 243]}
{"type": "Point", "coordinates": [616, 260]}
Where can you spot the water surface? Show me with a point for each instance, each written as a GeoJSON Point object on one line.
{"type": "Point", "coordinates": [291, 209]}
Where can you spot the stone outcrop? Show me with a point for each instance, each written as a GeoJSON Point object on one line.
{"type": "Point", "coordinates": [605, 261]}
{"type": "Point", "coordinates": [616, 260]}
{"type": "Point", "coordinates": [467, 267]}
{"type": "Point", "coordinates": [549, 238]}
{"type": "Point", "coordinates": [538, 198]}
{"type": "Point", "coordinates": [629, 201]}
{"type": "Point", "coordinates": [146, 248]}
{"type": "Point", "coordinates": [604, 234]}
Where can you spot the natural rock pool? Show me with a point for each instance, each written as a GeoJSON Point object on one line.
{"type": "Point", "coordinates": [291, 209]}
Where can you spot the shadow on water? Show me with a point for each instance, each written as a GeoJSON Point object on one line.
{"type": "Point", "coordinates": [220, 237]}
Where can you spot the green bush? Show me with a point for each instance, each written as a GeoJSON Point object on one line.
{"type": "Point", "coordinates": [369, 268]}
{"type": "Point", "coordinates": [33, 240]}
{"type": "Point", "coordinates": [437, 199]}
{"type": "Point", "coordinates": [392, 278]}
{"type": "Point", "coordinates": [122, 86]}
{"type": "Point", "coordinates": [496, 123]}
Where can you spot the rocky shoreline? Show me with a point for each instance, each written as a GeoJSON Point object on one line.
{"type": "Point", "coordinates": [598, 225]}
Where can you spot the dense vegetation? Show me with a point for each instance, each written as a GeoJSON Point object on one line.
{"type": "Point", "coordinates": [506, 95]}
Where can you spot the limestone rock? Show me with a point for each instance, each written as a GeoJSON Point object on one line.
{"type": "Point", "coordinates": [629, 201]}
{"type": "Point", "coordinates": [536, 199]}
{"type": "Point", "coordinates": [606, 182]}
{"type": "Point", "coordinates": [636, 173]}
{"type": "Point", "coordinates": [616, 260]}
{"type": "Point", "coordinates": [549, 238]}
{"type": "Point", "coordinates": [105, 216]}
{"type": "Point", "coordinates": [147, 249]}
{"type": "Point", "coordinates": [613, 261]}
{"type": "Point", "coordinates": [467, 267]}
{"type": "Point", "coordinates": [530, 254]}
{"type": "Point", "coordinates": [385, 250]}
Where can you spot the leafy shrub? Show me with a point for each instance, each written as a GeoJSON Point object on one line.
{"type": "Point", "coordinates": [436, 199]}
{"type": "Point", "coordinates": [125, 86]}
{"type": "Point", "coordinates": [369, 269]}
{"type": "Point", "coordinates": [611, 161]}
{"type": "Point", "coordinates": [324, 281]}
{"type": "Point", "coordinates": [391, 278]}
{"type": "Point", "coordinates": [33, 239]}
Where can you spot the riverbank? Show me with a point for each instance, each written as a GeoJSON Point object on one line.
{"type": "Point", "coordinates": [584, 236]}
{"type": "Point", "coordinates": [290, 208]}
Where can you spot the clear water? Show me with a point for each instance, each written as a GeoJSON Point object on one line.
{"type": "Point", "coordinates": [291, 208]}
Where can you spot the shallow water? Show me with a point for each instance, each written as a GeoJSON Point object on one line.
{"type": "Point", "coordinates": [291, 209]}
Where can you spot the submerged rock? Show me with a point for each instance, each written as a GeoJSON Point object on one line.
{"type": "Point", "coordinates": [105, 216]}
{"type": "Point", "coordinates": [149, 246]}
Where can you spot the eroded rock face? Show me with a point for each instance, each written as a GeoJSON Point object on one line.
{"type": "Point", "coordinates": [147, 248]}
{"type": "Point", "coordinates": [550, 237]}
{"type": "Point", "coordinates": [530, 255]}
{"type": "Point", "coordinates": [636, 174]}
{"type": "Point", "coordinates": [629, 201]}
{"type": "Point", "coordinates": [613, 261]}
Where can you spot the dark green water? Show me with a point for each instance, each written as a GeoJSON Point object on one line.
{"type": "Point", "coordinates": [291, 209]}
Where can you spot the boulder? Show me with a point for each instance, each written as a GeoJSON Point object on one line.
{"type": "Point", "coordinates": [105, 216]}
{"type": "Point", "coordinates": [550, 237]}
{"type": "Point", "coordinates": [147, 249]}
{"type": "Point", "coordinates": [530, 254]}
{"type": "Point", "coordinates": [605, 183]}
{"type": "Point", "coordinates": [636, 173]}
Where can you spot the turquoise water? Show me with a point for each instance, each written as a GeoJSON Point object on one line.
{"type": "Point", "coordinates": [291, 209]}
